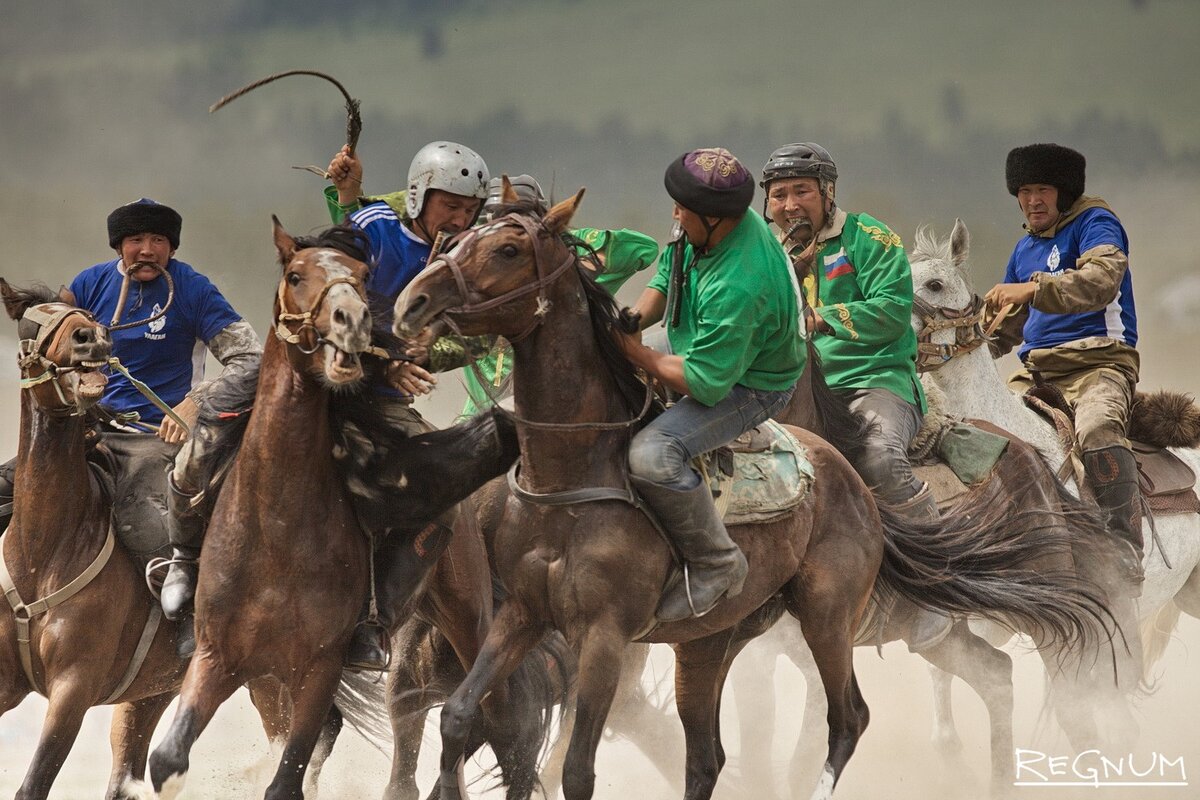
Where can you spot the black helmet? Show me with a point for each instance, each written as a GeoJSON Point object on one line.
{"type": "Point", "coordinates": [526, 186]}
{"type": "Point", "coordinates": [803, 160]}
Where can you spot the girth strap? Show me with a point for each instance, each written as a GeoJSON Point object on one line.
{"type": "Point", "coordinates": [25, 612]}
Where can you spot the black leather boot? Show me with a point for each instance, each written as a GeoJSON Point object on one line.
{"type": "Point", "coordinates": [715, 566]}
{"type": "Point", "coordinates": [1113, 474]}
{"type": "Point", "coordinates": [185, 530]}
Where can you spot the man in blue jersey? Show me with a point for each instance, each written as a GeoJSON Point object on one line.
{"type": "Point", "coordinates": [167, 354]}
{"type": "Point", "coordinates": [1071, 270]}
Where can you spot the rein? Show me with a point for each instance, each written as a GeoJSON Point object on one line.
{"type": "Point", "coordinates": [307, 319]}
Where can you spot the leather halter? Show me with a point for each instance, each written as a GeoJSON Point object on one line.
{"type": "Point", "coordinates": [307, 319]}
{"type": "Point", "coordinates": [31, 351]}
{"type": "Point", "coordinates": [468, 308]}
{"type": "Point", "coordinates": [966, 323]}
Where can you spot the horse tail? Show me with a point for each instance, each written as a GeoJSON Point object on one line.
{"type": "Point", "coordinates": [1157, 632]}
{"type": "Point", "coordinates": [361, 699]}
{"type": "Point", "coordinates": [986, 563]}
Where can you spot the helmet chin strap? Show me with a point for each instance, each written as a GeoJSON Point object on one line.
{"type": "Point", "coordinates": [708, 233]}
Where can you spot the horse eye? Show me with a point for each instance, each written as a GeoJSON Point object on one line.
{"type": "Point", "coordinates": [293, 279]}
{"type": "Point", "coordinates": [508, 251]}
{"type": "Point", "coordinates": [936, 285]}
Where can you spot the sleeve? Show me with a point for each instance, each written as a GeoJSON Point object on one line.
{"type": "Point", "coordinates": [662, 276]}
{"type": "Point", "coordinates": [453, 351]}
{"type": "Point", "coordinates": [213, 313]}
{"type": "Point", "coordinates": [337, 211]}
{"type": "Point", "coordinates": [884, 279]}
{"type": "Point", "coordinates": [374, 239]}
{"type": "Point", "coordinates": [625, 253]}
{"type": "Point", "coordinates": [79, 288]}
{"type": "Point", "coordinates": [1098, 272]}
{"type": "Point", "coordinates": [1010, 270]}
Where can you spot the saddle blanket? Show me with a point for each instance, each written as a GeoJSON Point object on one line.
{"type": "Point", "coordinates": [770, 474]}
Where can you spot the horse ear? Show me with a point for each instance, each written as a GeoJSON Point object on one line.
{"type": "Point", "coordinates": [559, 217]}
{"type": "Point", "coordinates": [285, 245]}
{"type": "Point", "coordinates": [960, 243]}
{"type": "Point", "coordinates": [12, 304]}
{"type": "Point", "coordinates": [509, 195]}
{"type": "Point", "coordinates": [65, 295]}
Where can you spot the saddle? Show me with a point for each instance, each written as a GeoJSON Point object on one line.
{"type": "Point", "coordinates": [1167, 483]}
{"type": "Point", "coordinates": [760, 476]}
{"type": "Point", "coordinates": [953, 456]}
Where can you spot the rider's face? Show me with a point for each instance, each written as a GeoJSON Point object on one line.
{"type": "Point", "coordinates": [693, 225]}
{"type": "Point", "coordinates": [452, 213]}
{"type": "Point", "coordinates": [1039, 204]}
{"type": "Point", "coordinates": [790, 200]}
{"type": "Point", "coordinates": [142, 252]}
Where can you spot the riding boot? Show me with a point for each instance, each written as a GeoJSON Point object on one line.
{"type": "Point", "coordinates": [1113, 474]}
{"type": "Point", "coordinates": [401, 565]}
{"type": "Point", "coordinates": [8, 477]}
{"type": "Point", "coordinates": [185, 531]}
{"type": "Point", "coordinates": [714, 567]}
{"type": "Point", "coordinates": [929, 627]}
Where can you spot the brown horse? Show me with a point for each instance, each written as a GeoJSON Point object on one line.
{"type": "Point", "coordinates": [284, 571]}
{"type": "Point", "coordinates": [82, 633]}
{"type": "Point", "coordinates": [595, 570]}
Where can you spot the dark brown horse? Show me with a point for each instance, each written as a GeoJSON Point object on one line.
{"type": "Point", "coordinates": [81, 649]}
{"type": "Point", "coordinates": [284, 570]}
{"type": "Point", "coordinates": [595, 570]}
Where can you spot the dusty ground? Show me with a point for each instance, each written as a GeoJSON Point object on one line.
{"type": "Point", "coordinates": [894, 759]}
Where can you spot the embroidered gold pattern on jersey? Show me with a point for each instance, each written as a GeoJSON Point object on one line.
{"type": "Point", "coordinates": [882, 235]}
{"type": "Point", "coordinates": [844, 318]}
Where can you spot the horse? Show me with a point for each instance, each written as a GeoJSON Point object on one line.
{"type": "Point", "coordinates": [569, 567]}
{"type": "Point", "coordinates": [965, 373]}
{"type": "Point", "coordinates": [285, 568]}
{"type": "Point", "coordinates": [79, 632]}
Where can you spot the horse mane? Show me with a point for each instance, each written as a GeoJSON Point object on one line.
{"type": "Point", "coordinates": [18, 300]}
{"type": "Point", "coordinates": [928, 247]}
{"type": "Point", "coordinates": [608, 319]}
{"type": "Point", "coordinates": [846, 430]}
{"type": "Point", "coordinates": [343, 238]}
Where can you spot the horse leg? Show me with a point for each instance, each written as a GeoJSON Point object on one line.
{"type": "Point", "coordinates": [945, 736]}
{"type": "Point", "coordinates": [989, 672]}
{"type": "Point", "coordinates": [698, 673]}
{"type": "Point", "coordinates": [807, 753]}
{"type": "Point", "coordinates": [599, 674]}
{"type": "Point", "coordinates": [639, 718]}
{"type": "Point", "coordinates": [324, 748]}
{"type": "Point", "coordinates": [512, 635]}
{"type": "Point", "coordinates": [825, 604]}
{"type": "Point", "coordinates": [63, 719]}
{"type": "Point", "coordinates": [753, 684]}
{"type": "Point", "coordinates": [552, 770]}
{"type": "Point", "coordinates": [132, 726]}
{"type": "Point", "coordinates": [205, 686]}
{"type": "Point", "coordinates": [312, 698]}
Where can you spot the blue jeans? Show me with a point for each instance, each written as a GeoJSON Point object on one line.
{"type": "Point", "coordinates": [660, 452]}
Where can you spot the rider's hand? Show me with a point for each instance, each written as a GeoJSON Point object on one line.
{"type": "Point", "coordinates": [170, 431]}
{"type": "Point", "coordinates": [410, 379]}
{"type": "Point", "coordinates": [1017, 294]}
{"type": "Point", "coordinates": [346, 172]}
{"type": "Point", "coordinates": [815, 322]}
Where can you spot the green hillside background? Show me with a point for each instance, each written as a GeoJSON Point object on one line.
{"type": "Point", "coordinates": [104, 102]}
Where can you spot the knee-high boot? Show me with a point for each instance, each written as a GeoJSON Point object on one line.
{"type": "Point", "coordinates": [1113, 473]}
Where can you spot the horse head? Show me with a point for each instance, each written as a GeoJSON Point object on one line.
{"type": "Point", "coordinates": [494, 278]}
{"type": "Point", "coordinates": [62, 349]}
{"type": "Point", "coordinates": [946, 311]}
{"type": "Point", "coordinates": [321, 307]}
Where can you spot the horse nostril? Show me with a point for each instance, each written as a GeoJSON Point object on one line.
{"type": "Point", "coordinates": [83, 336]}
{"type": "Point", "coordinates": [339, 316]}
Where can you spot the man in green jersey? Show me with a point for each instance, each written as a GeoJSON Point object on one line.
{"type": "Point", "coordinates": [858, 283]}
{"type": "Point", "coordinates": [733, 322]}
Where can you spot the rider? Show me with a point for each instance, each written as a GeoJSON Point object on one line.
{"type": "Point", "coordinates": [167, 355]}
{"type": "Point", "coordinates": [733, 322]}
{"type": "Point", "coordinates": [858, 282]}
{"type": "Point", "coordinates": [619, 253]}
{"type": "Point", "coordinates": [1072, 271]}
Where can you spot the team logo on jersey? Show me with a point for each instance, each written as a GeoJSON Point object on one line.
{"type": "Point", "coordinates": [837, 265]}
{"type": "Point", "coordinates": [154, 328]}
{"type": "Point", "coordinates": [1053, 259]}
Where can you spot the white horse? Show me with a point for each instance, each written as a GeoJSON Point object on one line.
{"type": "Point", "coordinates": [973, 388]}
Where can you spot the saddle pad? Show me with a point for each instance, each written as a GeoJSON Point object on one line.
{"type": "Point", "coordinates": [945, 485]}
{"type": "Point", "coordinates": [766, 485]}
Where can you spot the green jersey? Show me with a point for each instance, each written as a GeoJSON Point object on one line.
{"type": "Point", "coordinates": [739, 319]}
{"type": "Point", "coordinates": [861, 285]}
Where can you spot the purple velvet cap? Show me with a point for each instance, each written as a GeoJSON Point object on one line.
{"type": "Point", "coordinates": [711, 182]}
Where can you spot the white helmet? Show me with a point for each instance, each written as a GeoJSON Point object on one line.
{"type": "Point", "coordinates": [447, 166]}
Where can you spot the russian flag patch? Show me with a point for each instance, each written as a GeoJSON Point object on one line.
{"type": "Point", "coordinates": [837, 265]}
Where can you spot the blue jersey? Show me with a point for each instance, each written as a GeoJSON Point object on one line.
{"type": "Point", "coordinates": [397, 254]}
{"type": "Point", "coordinates": [168, 354]}
{"type": "Point", "coordinates": [1055, 255]}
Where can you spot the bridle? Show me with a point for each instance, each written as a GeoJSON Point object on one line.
{"type": "Point", "coordinates": [532, 229]}
{"type": "Point", "coordinates": [307, 319]}
{"type": "Point", "coordinates": [967, 323]}
{"type": "Point", "coordinates": [31, 352]}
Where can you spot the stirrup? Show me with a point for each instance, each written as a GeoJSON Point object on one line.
{"type": "Point", "coordinates": [687, 588]}
{"type": "Point", "coordinates": [162, 564]}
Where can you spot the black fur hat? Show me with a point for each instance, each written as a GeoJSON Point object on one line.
{"type": "Point", "coordinates": [1051, 164]}
{"type": "Point", "coordinates": [144, 216]}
